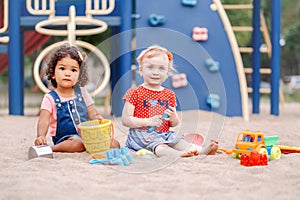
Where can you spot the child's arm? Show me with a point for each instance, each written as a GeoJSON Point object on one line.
{"type": "Point", "coordinates": [93, 113]}
{"type": "Point", "coordinates": [173, 117]}
{"type": "Point", "coordinates": [42, 128]}
{"type": "Point", "coordinates": [133, 122]}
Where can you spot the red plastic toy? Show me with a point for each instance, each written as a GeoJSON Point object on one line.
{"type": "Point", "coordinates": [254, 159]}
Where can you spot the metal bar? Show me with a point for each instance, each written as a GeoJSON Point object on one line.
{"type": "Point", "coordinates": [261, 90]}
{"type": "Point", "coordinates": [15, 70]}
{"type": "Point", "coordinates": [250, 50]}
{"type": "Point", "coordinates": [124, 74]}
{"type": "Point", "coordinates": [265, 33]}
{"type": "Point", "coordinates": [275, 59]}
{"type": "Point", "coordinates": [242, 28]}
{"type": "Point", "coordinates": [238, 7]}
{"type": "Point", "coordinates": [256, 57]}
{"type": "Point", "coordinates": [262, 70]}
{"type": "Point", "coordinates": [5, 17]}
{"type": "Point", "coordinates": [30, 21]}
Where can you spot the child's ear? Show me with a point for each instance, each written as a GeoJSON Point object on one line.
{"type": "Point", "coordinates": [140, 71]}
{"type": "Point", "coordinates": [169, 71]}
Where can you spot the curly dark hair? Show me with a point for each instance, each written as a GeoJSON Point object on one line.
{"type": "Point", "coordinates": [76, 54]}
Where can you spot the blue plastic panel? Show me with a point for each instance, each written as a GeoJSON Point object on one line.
{"type": "Point", "coordinates": [189, 56]}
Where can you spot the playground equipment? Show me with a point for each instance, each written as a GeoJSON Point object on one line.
{"type": "Point", "coordinates": [260, 35]}
{"type": "Point", "coordinates": [34, 14]}
{"type": "Point", "coordinates": [71, 21]}
{"type": "Point", "coordinates": [4, 39]}
{"type": "Point", "coordinates": [248, 141]}
{"type": "Point", "coordinates": [210, 61]}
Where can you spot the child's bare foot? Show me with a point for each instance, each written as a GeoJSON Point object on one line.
{"type": "Point", "coordinates": [190, 153]}
{"type": "Point", "coordinates": [211, 149]}
{"type": "Point", "coordinates": [194, 150]}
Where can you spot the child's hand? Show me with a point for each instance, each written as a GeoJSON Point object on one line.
{"type": "Point", "coordinates": [171, 112]}
{"type": "Point", "coordinates": [155, 121]}
{"type": "Point", "coordinates": [172, 116]}
{"type": "Point", "coordinates": [41, 140]}
{"type": "Point", "coordinates": [98, 117]}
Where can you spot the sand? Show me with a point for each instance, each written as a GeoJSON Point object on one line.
{"type": "Point", "coordinates": [70, 176]}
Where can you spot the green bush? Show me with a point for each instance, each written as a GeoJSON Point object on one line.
{"type": "Point", "coordinates": [293, 97]}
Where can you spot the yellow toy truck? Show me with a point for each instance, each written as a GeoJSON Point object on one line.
{"type": "Point", "coordinates": [248, 141]}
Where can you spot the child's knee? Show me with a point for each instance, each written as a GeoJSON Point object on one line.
{"type": "Point", "coordinates": [115, 144]}
{"type": "Point", "coordinates": [165, 150]}
{"type": "Point", "coordinates": [158, 148]}
{"type": "Point", "coordinates": [77, 145]}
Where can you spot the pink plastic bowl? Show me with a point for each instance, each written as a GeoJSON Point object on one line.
{"type": "Point", "coordinates": [195, 138]}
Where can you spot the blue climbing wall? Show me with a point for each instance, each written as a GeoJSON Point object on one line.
{"type": "Point", "coordinates": [175, 33]}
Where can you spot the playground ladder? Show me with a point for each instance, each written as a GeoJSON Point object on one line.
{"type": "Point", "coordinates": [266, 40]}
{"type": "Point", "coordinates": [265, 37]}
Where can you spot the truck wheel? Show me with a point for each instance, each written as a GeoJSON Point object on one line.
{"type": "Point", "coordinates": [263, 151]}
{"type": "Point", "coordinates": [236, 155]}
{"type": "Point", "coordinates": [275, 153]}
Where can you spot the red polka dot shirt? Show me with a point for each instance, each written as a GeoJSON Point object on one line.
{"type": "Point", "coordinates": [149, 103]}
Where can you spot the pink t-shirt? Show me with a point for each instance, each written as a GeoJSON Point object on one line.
{"type": "Point", "coordinates": [48, 104]}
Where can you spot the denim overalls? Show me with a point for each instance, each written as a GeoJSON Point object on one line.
{"type": "Point", "coordinates": [69, 114]}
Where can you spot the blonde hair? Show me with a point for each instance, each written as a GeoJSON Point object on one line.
{"type": "Point", "coordinates": [155, 50]}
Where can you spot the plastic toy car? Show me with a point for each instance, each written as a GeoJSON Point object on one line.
{"type": "Point", "coordinates": [248, 141]}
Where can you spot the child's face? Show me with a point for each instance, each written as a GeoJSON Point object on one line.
{"type": "Point", "coordinates": [155, 70]}
{"type": "Point", "coordinates": [66, 72]}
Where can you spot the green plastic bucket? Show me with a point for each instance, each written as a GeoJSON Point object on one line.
{"type": "Point", "coordinates": [271, 140]}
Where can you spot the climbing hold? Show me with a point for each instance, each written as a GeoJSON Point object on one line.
{"type": "Point", "coordinates": [213, 100]}
{"type": "Point", "coordinates": [211, 65]}
{"type": "Point", "coordinates": [179, 80]}
{"type": "Point", "coordinates": [156, 20]}
{"type": "Point", "coordinates": [191, 3]}
{"type": "Point", "coordinates": [200, 33]}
